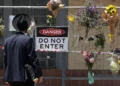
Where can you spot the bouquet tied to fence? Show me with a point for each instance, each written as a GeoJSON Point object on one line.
{"type": "Point", "coordinates": [54, 5]}
{"type": "Point", "coordinates": [89, 60]}
{"type": "Point", "coordinates": [89, 16]}
{"type": "Point", "coordinates": [110, 15]}
{"type": "Point", "coordinates": [1, 27]}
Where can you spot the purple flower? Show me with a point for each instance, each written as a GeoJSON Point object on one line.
{"type": "Point", "coordinates": [89, 16]}
{"type": "Point", "coordinates": [78, 14]}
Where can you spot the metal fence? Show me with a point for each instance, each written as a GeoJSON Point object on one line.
{"type": "Point", "coordinates": [67, 68]}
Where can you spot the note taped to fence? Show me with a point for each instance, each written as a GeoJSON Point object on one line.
{"type": "Point", "coordinates": [11, 28]}
{"type": "Point", "coordinates": [52, 38]}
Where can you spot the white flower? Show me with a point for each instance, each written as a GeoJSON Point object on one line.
{"type": "Point", "coordinates": [113, 64]}
{"type": "Point", "coordinates": [57, 0]}
{"type": "Point", "coordinates": [114, 67]}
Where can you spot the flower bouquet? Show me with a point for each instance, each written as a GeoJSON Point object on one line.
{"type": "Point", "coordinates": [100, 40]}
{"type": "Point", "coordinates": [117, 53]}
{"type": "Point", "coordinates": [50, 20]}
{"type": "Point", "coordinates": [1, 27]}
{"type": "Point", "coordinates": [114, 67]}
{"type": "Point", "coordinates": [89, 59]}
{"type": "Point", "coordinates": [54, 5]}
{"type": "Point", "coordinates": [110, 15]}
{"type": "Point", "coordinates": [89, 16]}
{"type": "Point", "coordinates": [71, 20]}
{"type": "Point", "coordinates": [31, 29]}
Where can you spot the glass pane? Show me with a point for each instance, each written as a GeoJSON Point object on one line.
{"type": "Point", "coordinates": [51, 63]}
{"type": "Point", "coordinates": [43, 64]}
{"type": "Point", "coordinates": [52, 54]}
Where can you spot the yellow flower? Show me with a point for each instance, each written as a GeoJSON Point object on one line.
{"type": "Point", "coordinates": [119, 61]}
{"type": "Point", "coordinates": [113, 11]}
{"type": "Point", "coordinates": [61, 5]}
{"type": "Point", "coordinates": [111, 36]}
{"type": "Point", "coordinates": [110, 7]}
{"type": "Point", "coordinates": [107, 8]}
{"type": "Point", "coordinates": [49, 16]}
{"type": "Point", "coordinates": [71, 18]}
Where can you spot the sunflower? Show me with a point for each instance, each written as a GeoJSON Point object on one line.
{"type": "Point", "coordinates": [113, 11]}
{"type": "Point", "coordinates": [107, 8]}
{"type": "Point", "coordinates": [110, 7]}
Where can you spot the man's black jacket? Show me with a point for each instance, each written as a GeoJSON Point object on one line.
{"type": "Point", "coordinates": [18, 51]}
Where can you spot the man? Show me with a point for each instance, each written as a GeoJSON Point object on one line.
{"type": "Point", "coordinates": [18, 51]}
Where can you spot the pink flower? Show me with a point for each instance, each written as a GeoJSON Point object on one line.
{"type": "Point", "coordinates": [85, 54]}
{"type": "Point", "coordinates": [52, 1]}
{"type": "Point", "coordinates": [0, 47]}
{"type": "Point", "coordinates": [91, 60]}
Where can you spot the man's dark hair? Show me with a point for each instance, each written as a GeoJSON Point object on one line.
{"type": "Point", "coordinates": [21, 22]}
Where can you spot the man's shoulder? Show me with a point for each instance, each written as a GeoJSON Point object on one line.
{"type": "Point", "coordinates": [8, 38]}
{"type": "Point", "coordinates": [18, 37]}
{"type": "Point", "coordinates": [25, 37]}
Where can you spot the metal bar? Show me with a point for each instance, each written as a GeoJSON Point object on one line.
{"type": "Point", "coordinates": [84, 78]}
{"type": "Point", "coordinates": [43, 7]}
{"type": "Point", "coordinates": [6, 13]}
{"type": "Point", "coordinates": [96, 78]}
{"type": "Point", "coordinates": [52, 78]}
{"type": "Point", "coordinates": [44, 77]}
{"type": "Point", "coordinates": [78, 52]}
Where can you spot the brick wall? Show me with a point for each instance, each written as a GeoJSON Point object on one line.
{"type": "Point", "coordinates": [76, 74]}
